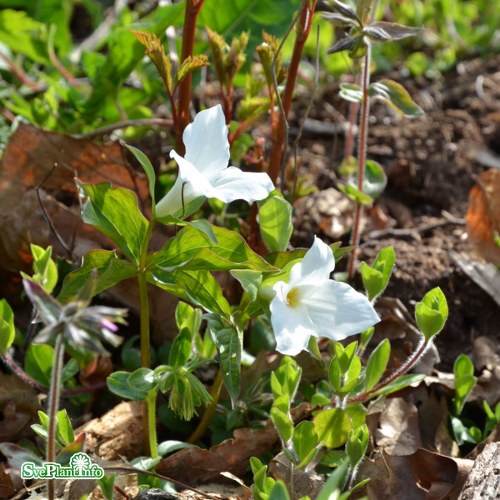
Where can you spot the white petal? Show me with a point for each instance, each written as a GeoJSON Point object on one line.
{"type": "Point", "coordinates": [315, 267]}
{"type": "Point", "coordinates": [234, 184]}
{"type": "Point", "coordinates": [207, 147]}
{"type": "Point", "coordinates": [190, 184]}
{"type": "Point", "coordinates": [337, 310]}
{"type": "Point", "coordinates": [292, 328]}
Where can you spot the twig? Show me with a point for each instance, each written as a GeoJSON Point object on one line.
{"type": "Point", "coordinates": [46, 215]}
{"type": "Point", "coordinates": [413, 232]}
{"type": "Point", "coordinates": [140, 122]}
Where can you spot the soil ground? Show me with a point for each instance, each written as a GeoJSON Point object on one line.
{"type": "Point", "coordinates": [431, 163]}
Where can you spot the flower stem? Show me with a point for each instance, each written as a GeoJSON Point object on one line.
{"type": "Point", "coordinates": [151, 413]}
{"type": "Point", "coordinates": [209, 412]}
{"type": "Point", "coordinates": [193, 8]}
{"type": "Point", "coordinates": [363, 135]}
{"type": "Point", "coordinates": [55, 387]}
{"type": "Point", "coordinates": [147, 418]}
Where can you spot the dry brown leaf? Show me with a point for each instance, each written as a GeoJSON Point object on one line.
{"type": "Point", "coordinates": [398, 432]}
{"type": "Point", "coordinates": [483, 215]}
{"type": "Point", "coordinates": [485, 353]}
{"type": "Point", "coordinates": [33, 157]}
{"type": "Point", "coordinates": [422, 475]}
{"type": "Point", "coordinates": [7, 488]}
{"type": "Point", "coordinates": [198, 466]}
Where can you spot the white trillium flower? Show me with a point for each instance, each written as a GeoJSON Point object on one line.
{"type": "Point", "coordinates": [311, 304]}
{"type": "Point", "coordinates": [204, 169]}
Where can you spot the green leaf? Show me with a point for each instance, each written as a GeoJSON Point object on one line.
{"type": "Point", "coordinates": [396, 96]}
{"type": "Point", "coordinates": [375, 179]}
{"type": "Point", "coordinates": [150, 174]}
{"type": "Point", "coordinates": [431, 313]}
{"type": "Point", "coordinates": [193, 250]}
{"type": "Point", "coordinates": [38, 362]}
{"type": "Point", "coordinates": [181, 349]}
{"type": "Point", "coordinates": [376, 277]}
{"type": "Point", "coordinates": [203, 289]}
{"type": "Point", "coordinates": [377, 363]}
{"type": "Point", "coordinates": [118, 384]}
{"type": "Point", "coordinates": [353, 193]}
{"type": "Point", "coordinates": [188, 317]}
{"type": "Point", "coordinates": [351, 92]}
{"type": "Point", "coordinates": [250, 281]}
{"type": "Point", "coordinates": [332, 427]}
{"type": "Point", "coordinates": [400, 383]}
{"type": "Point", "coordinates": [156, 52]}
{"type": "Point", "coordinates": [141, 380]}
{"type": "Point", "coordinates": [253, 16]}
{"type": "Point", "coordinates": [335, 483]}
{"type": "Point", "coordinates": [279, 491]}
{"type": "Point", "coordinates": [275, 223]}
{"type": "Point", "coordinates": [64, 427]}
{"type": "Point", "coordinates": [7, 328]}
{"type": "Point", "coordinates": [346, 43]}
{"type": "Point", "coordinates": [346, 11]}
{"type": "Point", "coordinates": [170, 446]}
{"type": "Point", "coordinates": [285, 380]}
{"type": "Point", "coordinates": [463, 369]}
{"type": "Point", "coordinates": [228, 343]}
{"type": "Point", "coordinates": [357, 443]}
{"type": "Point", "coordinates": [108, 268]}
{"type": "Point", "coordinates": [190, 64]}
{"type": "Point", "coordinates": [382, 31]}
{"type": "Point", "coordinates": [23, 35]}
{"type": "Point", "coordinates": [114, 212]}
{"type": "Point", "coordinates": [45, 268]}
{"type": "Point", "coordinates": [305, 442]}
{"type": "Point", "coordinates": [283, 424]}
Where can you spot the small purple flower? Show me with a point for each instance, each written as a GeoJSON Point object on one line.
{"type": "Point", "coordinates": [84, 327]}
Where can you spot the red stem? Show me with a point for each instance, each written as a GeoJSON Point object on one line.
{"type": "Point", "coordinates": [20, 74]}
{"type": "Point", "coordinates": [405, 367]}
{"type": "Point", "coordinates": [193, 8]}
{"type": "Point", "coordinates": [278, 123]}
{"type": "Point", "coordinates": [363, 134]}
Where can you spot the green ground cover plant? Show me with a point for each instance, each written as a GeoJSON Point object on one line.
{"type": "Point", "coordinates": [288, 302]}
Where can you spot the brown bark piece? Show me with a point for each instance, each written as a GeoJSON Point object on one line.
{"type": "Point", "coordinates": [483, 482]}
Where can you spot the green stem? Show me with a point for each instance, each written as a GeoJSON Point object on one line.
{"type": "Point", "coordinates": [209, 412]}
{"type": "Point", "coordinates": [151, 409]}
{"type": "Point", "coordinates": [55, 388]}
{"type": "Point", "coordinates": [147, 418]}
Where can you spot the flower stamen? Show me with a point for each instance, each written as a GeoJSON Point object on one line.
{"type": "Point", "coordinates": [293, 297]}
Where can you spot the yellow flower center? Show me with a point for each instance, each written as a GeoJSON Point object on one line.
{"type": "Point", "coordinates": [293, 297]}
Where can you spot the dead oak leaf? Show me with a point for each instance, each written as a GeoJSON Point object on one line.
{"type": "Point", "coordinates": [483, 215]}
{"type": "Point", "coordinates": [198, 466]}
